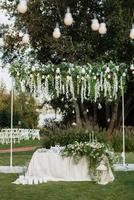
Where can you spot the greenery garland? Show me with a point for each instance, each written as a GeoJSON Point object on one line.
{"type": "Point", "coordinates": [94, 82]}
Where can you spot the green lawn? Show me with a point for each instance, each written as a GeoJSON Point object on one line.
{"type": "Point", "coordinates": [23, 143]}
{"type": "Point", "coordinates": [121, 189]}
{"type": "Point", "coordinates": [22, 158]}
{"type": "Point", "coordinates": [19, 158]}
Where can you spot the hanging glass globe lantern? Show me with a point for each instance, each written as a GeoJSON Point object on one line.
{"type": "Point", "coordinates": [22, 6]}
{"type": "Point", "coordinates": [74, 124]}
{"type": "Point", "coordinates": [68, 19]}
{"type": "Point", "coordinates": [56, 32]}
{"type": "Point", "coordinates": [26, 39]}
{"type": "Point", "coordinates": [132, 32]}
{"type": "Point", "coordinates": [102, 29]}
{"type": "Point", "coordinates": [73, 111]}
{"type": "Point", "coordinates": [95, 24]}
{"type": "Point", "coordinates": [99, 106]}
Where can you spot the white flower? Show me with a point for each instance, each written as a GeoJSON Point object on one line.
{"type": "Point", "coordinates": [83, 71]}
{"type": "Point", "coordinates": [132, 67]}
{"type": "Point", "coordinates": [107, 70]}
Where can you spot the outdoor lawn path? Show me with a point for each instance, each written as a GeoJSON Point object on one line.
{"type": "Point", "coordinates": [19, 149]}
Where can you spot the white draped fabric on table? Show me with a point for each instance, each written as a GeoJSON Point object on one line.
{"type": "Point", "coordinates": [51, 166]}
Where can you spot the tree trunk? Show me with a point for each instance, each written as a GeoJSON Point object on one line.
{"type": "Point", "coordinates": [77, 111]}
{"type": "Point", "coordinates": [84, 112]}
{"type": "Point", "coordinates": [113, 119]}
{"type": "Point", "coordinates": [107, 108]}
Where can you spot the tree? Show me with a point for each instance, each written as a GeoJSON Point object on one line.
{"type": "Point", "coordinates": [25, 114]}
{"type": "Point", "coordinates": [4, 107]}
{"type": "Point", "coordinates": [26, 108]}
{"type": "Point", "coordinates": [78, 43]}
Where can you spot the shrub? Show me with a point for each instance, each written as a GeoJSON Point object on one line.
{"type": "Point", "coordinates": [65, 136]}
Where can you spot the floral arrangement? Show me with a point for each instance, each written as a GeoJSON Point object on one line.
{"type": "Point", "coordinates": [95, 152]}
{"type": "Point", "coordinates": [87, 82]}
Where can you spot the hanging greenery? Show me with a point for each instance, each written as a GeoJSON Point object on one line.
{"type": "Point", "coordinates": [94, 82]}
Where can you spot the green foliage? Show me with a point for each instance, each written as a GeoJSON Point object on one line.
{"type": "Point", "coordinates": [116, 140]}
{"type": "Point", "coordinates": [78, 42]}
{"type": "Point", "coordinates": [67, 136]}
{"type": "Point", "coordinates": [4, 107]}
{"type": "Point", "coordinates": [26, 106]}
{"type": "Point", "coordinates": [25, 114]}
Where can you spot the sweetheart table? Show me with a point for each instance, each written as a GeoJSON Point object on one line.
{"type": "Point", "coordinates": [51, 166]}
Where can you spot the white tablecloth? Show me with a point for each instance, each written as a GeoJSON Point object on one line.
{"type": "Point", "coordinates": [50, 166]}
{"type": "Point", "coordinates": [54, 167]}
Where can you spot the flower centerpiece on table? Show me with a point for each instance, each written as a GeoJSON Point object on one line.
{"type": "Point", "coordinates": [93, 151]}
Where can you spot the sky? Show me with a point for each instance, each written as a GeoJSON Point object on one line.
{"type": "Point", "coordinates": [4, 75]}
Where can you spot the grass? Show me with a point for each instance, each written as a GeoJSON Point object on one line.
{"type": "Point", "coordinates": [23, 143]}
{"type": "Point", "coordinates": [22, 158]}
{"type": "Point", "coordinates": [19, 158]}
{"type": "Point", "coordinates": [129, 157]}
{"type": "Point", "coordinates": [122, 188]}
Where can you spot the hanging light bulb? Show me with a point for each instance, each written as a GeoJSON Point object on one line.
{"type": "Point", "coordinates": [68, 19]}
{"type": "Point", "coordinates": [95, 24]}
{"type": "Point", "coordinates": [26, 38]}
{"type": "Point", "coordinates": [56, 32]}
{"type": "Point", "coordinates": [22, 6]}
{"type": "Point", "coordinates": [102, 28]}
{"type": "Point", "coordinates": [132, 32]}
